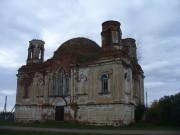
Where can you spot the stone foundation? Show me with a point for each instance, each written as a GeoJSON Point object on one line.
{"type": "Point", "coordinates": [31, 113]}
{"type": "Point", "coordinates": [107, 114]}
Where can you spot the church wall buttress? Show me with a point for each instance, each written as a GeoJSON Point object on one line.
{"type": "Point", "coordinates": [122, 87]}
{"type": "Point", "coordinates": [47, 88]}
{"type": "Point", "coordinates": [141, 90]}
{"type": "Point", "coordinates": [18, 91]}
{"type": "Point", "coordinates": [73, 82]}
{"type": "Point", "coordinates": [131, 85]}
{"type": "Point", "coordinates": [116, 84]}
{"type": "Point", "coordinates": [19, 94]}
{"type": "Point", "coordinates": [32, 91]}
{"type": "Point", "coordinates": [89, 86]}
{"type": "Point", "coordinates": [72, 85]}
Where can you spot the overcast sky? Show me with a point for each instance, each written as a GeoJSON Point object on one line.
{"type": "Point", "coordinates": [155, 24]}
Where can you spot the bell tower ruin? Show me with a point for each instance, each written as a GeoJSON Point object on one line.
{"type": "Point", "coordinates": [111, 35]}
{"type": "Point", "coordinates": [35, 51]}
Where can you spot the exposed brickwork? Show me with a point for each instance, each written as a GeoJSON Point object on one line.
{"type": "Point", "coordinates": [69, 86]}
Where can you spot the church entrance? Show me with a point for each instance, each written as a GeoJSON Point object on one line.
{"type": "Point", "coordinates": [59, 114]}
{"type": "Point", "coordinates": [59, 103]}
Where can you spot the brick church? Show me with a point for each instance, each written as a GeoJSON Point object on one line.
{"type": "Point", "coordinates": [82, 82]}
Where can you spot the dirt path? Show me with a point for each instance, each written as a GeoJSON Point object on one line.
{"type": "Point", "coordinates": [119, 132]}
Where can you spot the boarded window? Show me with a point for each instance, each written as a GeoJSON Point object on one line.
{"type": "Point", "coordinates": [114, 36]}
{"type": "Point", "coordinates": [26, 90]}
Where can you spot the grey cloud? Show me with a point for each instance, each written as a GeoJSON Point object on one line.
{"type": "Point", "coordinates": [10, 102]}
{"type": "Point", "coordinates": [7, 92]}
{"type": "Point", "coordinates": [155, 24]}
{"type": "Point", "coordinates": [156, 19]}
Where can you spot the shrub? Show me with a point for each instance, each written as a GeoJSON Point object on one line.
{"type": "Point", "coordinates": [139, 112]}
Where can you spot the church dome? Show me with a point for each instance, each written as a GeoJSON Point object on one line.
{"type": "Point", "coordinates": [80, 47]}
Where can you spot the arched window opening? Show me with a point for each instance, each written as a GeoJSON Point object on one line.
{"type": "Point", "coordinates": [39, 55]}
{"type": "Point", "coordinates": [82, 79]}
{"type": "Point", "coordinates": [104, 83]}
{"type": "Point", "coordinates": [26, 90]}
{"type": "Point", "coordinates": [60, 82]}
{"type": "Point", "coordinates": [108, 37]}
{"type": "Point", "coordinates": [40, 88]}
{"type": "Point", "coordinates": [40, 82]}
{"type": "Point", "coordinates": [31, 52]}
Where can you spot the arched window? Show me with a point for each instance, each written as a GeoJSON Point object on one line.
{"type": "Point", "coordinates": [66, 85]}
{"type": "Point", "coordinates": [40, 88]}
{"type": "Point", "coordinates": [40, 82]}
{"type": "Point", "coordinates": [104, 83]}
{"type": "Point", "coordinates": [30, 52]}
{"type": "Point", "coordinates": [26, 90]}
{"type": "Point", "coordinates": [82, 79]}
{"type": "Point", "coordinates": [60, 82]}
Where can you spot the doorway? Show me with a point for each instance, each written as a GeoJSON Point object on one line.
{"type": "Point", "coordinates": [59, 115]}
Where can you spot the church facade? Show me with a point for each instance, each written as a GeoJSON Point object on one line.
{"type": "Point", "coordinates": [82, 82]}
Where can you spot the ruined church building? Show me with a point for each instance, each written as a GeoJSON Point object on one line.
{"type": "Point", "coordinates": [82, 81]}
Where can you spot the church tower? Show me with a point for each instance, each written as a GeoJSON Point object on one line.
{"type": "Point", "coordinates": [35, 51]}
{"type": "Point", "coordinates": [111, 35]}
{"type": "Point", "coordinates": [130, 43]}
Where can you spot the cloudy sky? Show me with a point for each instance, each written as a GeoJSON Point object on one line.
{"type": "Point", "coordinates": [155, 24]}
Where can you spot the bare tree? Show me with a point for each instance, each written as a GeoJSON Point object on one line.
{"type": "Point", "coordinates": [139, 50]}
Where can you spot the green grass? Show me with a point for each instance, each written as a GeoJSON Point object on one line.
{"type": "Point", "coordinates": [150, 126]}
{"type": "Point", "coordinates": [15, 132]}
{"type": "Point", "coordinates": [137, 126]}
{"type": "Point", "coordinates": [12, 132]}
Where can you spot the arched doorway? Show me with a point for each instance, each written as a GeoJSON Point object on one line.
{"type": "Point", "coordinates": [59, 104]}
{"type": "Point", "coordinates": [59, 113]}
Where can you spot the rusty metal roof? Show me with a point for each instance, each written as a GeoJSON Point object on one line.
{"type": "Point", "coordinates": [80, 47]}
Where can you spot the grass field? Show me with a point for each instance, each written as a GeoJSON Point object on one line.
{"type": "Point", "coordinates": [63, 125]}
{"type": "Point", "coordinates": [12, 132]}
{"type": "Point", "coordinates": [137, 126]}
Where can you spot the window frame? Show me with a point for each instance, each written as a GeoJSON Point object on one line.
{"type": "Point", "coordinates": [60, 82]}
{"type": "Point", "coordinates": [104, 80]}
